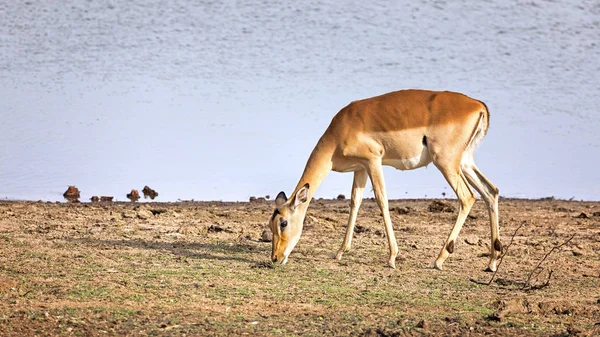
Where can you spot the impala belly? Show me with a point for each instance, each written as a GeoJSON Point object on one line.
{"type": "Point", "coordinates": [409, 163]}
{"type": "Point", "coordinates": [405, 150]}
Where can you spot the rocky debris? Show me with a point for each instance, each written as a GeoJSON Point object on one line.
{"type": "Point", "coordinates": [422, 324]}
{"type": "Point", "coordinates": [134, 195]}
{"type": "Point", "coordinates": [106, 199]}
{"type": "Point", "coordinates": [341, 197]}
{"type": "Point", "coordinates": [129, 214]}
{"type": "Point", "coordinates": [471, 241]}
{"type": "Point", "coordinates": [582, 215]}
{"type": "Point", "coordinates": [144, 214]}
{"type": "Point", "coordinates": [358, 229]}
{"type": "Point", "coordinates": [263, 264]}
{"type": "Point", "coordinates": [149, 193]}
{"type": "Point", "coordinates": [158, 211]}
{"type": "Point", "coordinates": [510, 307]}
{"type": "Point", "coordinates": [72, 194]}
{"type": "Point", "coordinates": [266, 236]}
{"type": "Point", "coordinates": [95, 199]}
{"type": "Point", "coordinates": [402, 210]}
{"type": "Point", "coordinates": [218, 229]}
{"type": "Point", "coordinates": [438, 206]}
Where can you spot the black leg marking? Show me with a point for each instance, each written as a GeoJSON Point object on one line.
{"type": "Point", "coordinates": [424, 141]}
{"type": "Point", "coordinates": [498, 246]}
{"type": "Point", "coordinates": [450, 247]}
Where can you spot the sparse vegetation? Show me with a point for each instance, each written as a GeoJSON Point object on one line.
{"type": "Point", "coordinates": [202, 269]}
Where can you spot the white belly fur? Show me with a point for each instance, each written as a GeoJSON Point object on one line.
{"type": "Point", "coordinates": [409, 163]}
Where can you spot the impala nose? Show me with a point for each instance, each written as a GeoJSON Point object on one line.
{"type": "Point", "coordinates": [275, 259]}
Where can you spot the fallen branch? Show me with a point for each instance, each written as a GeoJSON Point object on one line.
{"type": "Point", "coordinates": [527, 285]}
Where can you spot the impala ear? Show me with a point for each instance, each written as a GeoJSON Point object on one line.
{"type": "Point", "coordinates": [301, 196]}
{"type": "Point", "coordinates": [281, 199]}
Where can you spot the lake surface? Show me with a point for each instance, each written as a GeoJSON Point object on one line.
{"type": "Point", "coordinates": [222, 100]}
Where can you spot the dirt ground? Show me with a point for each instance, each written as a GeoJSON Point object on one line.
{"type": "Point", "coordinates": [200, 268]}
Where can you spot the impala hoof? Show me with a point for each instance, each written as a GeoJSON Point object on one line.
{"type": "Point", "coordinates": [491, 268]}
{"type": "Point", "coordinates": [438, 265]}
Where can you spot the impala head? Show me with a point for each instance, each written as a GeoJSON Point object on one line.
{"type": "Point", "coordinates": [286, 223]}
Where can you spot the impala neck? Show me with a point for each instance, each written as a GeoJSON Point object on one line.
{"type": "Point", "coordinates": [318, 166]}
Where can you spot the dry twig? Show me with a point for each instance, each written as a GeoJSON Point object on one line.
{"type": "Point", "coordinates": [527, 285]}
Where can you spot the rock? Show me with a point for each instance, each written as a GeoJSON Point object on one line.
{"type": "Point", "coordinates": [144, 214]}
{"type": "Point", "coordinates": [422, 324]}
{"type": "Point", "coordinates": [582, 215]}
{"type": "Point", "coordinates": [134, 195]}
{"type": "Point", "coordinates": [437, 206]}
{"type": "Point", "coordinates": [358, 229]}
{"type": "Point", "coordinates": [341, 197]}
{"type": "Point", "coordinates": [266, 236]}
{"type": "Point", "coordinates": [509, 307]}
{"type": "Point", "coordinates": [129, 214]}
{"type": "Point", "coordinates": [471, 241]}
{"type": "Point", "coordinates": [72, 194]}
{"type": "Point", "coordinates": [149, 193]}
{"type": "Point", "coordinates": [402, 210]}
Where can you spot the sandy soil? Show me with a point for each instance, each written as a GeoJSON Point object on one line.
{"type": "Point", "coordinates": [201, 269]}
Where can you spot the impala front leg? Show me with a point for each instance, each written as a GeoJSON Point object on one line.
{"type": "Point", "coordinates": [376, 174]}
{"type": "Point", "coordinates": [358, 187]}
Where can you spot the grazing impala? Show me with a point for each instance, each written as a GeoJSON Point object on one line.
{"type": "Point", "coordinates": [405, 129]}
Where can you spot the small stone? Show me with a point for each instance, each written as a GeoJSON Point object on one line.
{"type": "Point", "coordinates": [437, 206]}
{"type": "Point", "coordinates": [129, 214]}
{"type": "Point", "coordinates": [144, 214]}
{"type": "Point", "coordinates": [149, 193]}
{"type": "Point", "coordinates": [266, 236]}
{"type": "Point", "coordinates": [72, 194]}
{"type": "Point", "coordinates": [134, 195]}
{"type": "Point", "coordinates": [471, 241]}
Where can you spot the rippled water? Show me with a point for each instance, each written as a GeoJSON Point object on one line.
{"type": "Point", "coordinates": [225, 99]}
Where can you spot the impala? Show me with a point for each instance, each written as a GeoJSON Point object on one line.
{"type": "Point", "coordinates": [405, 129]}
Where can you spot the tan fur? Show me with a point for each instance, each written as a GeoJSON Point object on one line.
{"type": "Point", "coordinates": [391, 129]}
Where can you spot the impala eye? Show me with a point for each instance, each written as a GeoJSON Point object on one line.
{"type": "Point", "coordinates": [283, 224]}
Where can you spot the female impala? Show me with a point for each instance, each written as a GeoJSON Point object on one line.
{"type": "Point", "coordinates": [404, 129]}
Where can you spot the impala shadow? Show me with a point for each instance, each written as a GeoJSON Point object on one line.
{"type": "Point", "coordinates": [202, 251]}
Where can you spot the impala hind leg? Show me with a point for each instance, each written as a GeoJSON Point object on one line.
{"type": "Point", "coordinates": [376, 174]}
{"type": "Point", "coordinates": [489, 193]}
{"type": "Point", "coordinates": [466, 199]}
{"type": "Point", "coordinates": [358, 187]}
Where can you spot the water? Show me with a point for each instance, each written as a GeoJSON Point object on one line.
{"type": "Point", "coordinates": [225, 100]}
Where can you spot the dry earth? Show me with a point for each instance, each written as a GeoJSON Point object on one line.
{"type": "Point", "coordinates": [199, 268]}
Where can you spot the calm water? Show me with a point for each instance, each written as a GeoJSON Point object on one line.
{"type": "Point", "coordinates": [223, 100]}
